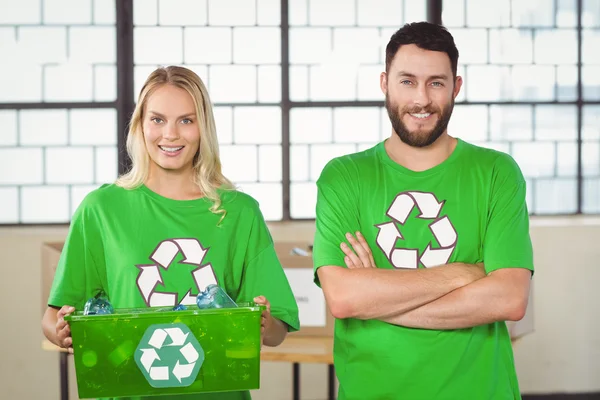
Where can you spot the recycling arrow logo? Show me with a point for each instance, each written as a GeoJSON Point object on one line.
{"type": "Point", "coordinates": [150, 275]}
{"type": "Point", "coordinates": [169, 355]}
{"type": "Point", "coordinates": [442, 229]}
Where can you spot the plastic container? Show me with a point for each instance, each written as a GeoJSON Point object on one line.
{"type": "Point", "coordinates": [157, 351]}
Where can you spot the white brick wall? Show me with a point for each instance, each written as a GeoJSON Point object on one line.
{"type": "Point", "coordinates": [79, 11]}
{"type": "Point", "coordinates": [232, 83]}
{"type": "Point", "coordinates": [69, 165]}
{"type": "Point", "coordinates": [42, 44]}
{"type": "Point", "coordinates": [8, 122]}
{"type": "Point", "coordinates": [9, 205]}
{"type": "Point", "coordinates": [231, 12]}
{"type": "Point", "coordinates": [158, 45]}
{"type": "Point", "coordinates": [182, 12]}
{"type": "Point", "coordinates": [94, 127]}
{"type": "Point", "coordinates": [106, 164]}
{"type": "Point", "coordinates": [21, 166]}
{"type": "Point", "coordinates": [207, 45]}
{"type": "Point", "coordinates": [43, 204]}
{"type": "Point", "coordinates": [43, 127]}
{"type": "Point", "coordinates": [68, 82]}
{"type": "Point", "coordinates": [256, 45]}
{"type": "Point", "coordinates": [21, 12]}
{"type": "Point", "coordinates": [92, 44]}
{"type": "Point", "coordinates": [13, 89]}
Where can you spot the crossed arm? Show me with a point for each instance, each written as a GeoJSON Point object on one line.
{"type": "Point", "coordinates": [452, 297]}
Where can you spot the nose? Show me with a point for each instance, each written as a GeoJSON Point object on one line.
{"type": "Point", "coordinates": [422, 97]}
{"type": "Point", "coordinates": [170, 132]}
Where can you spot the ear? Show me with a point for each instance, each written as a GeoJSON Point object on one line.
{"type": "Point", "coordinates": [383, 82]}
{"type": "Point", "coordinates": [457, 85]}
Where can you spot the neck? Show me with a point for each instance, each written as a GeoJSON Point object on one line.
{"type": "Point", "coordinates": [173, 185]}
{"type": "Point", "coordinates": [420, 158]}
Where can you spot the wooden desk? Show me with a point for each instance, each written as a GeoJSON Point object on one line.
{"type": "Point", "coordinates": [295, 350]}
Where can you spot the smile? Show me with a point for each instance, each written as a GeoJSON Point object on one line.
{"type": "Point", "coordinates": [170, 149]}
{"type": "Point", "coordinates": [421, 116]}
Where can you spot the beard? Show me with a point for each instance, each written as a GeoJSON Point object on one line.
{"type": "Point", "coordinates": [418, 138]}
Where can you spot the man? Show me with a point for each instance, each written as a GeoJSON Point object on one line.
{"type": "Point", "coordinates": [442, 254]}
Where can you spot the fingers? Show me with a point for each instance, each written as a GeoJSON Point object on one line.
{"type": "Point", "coordinates": [65, 310]}
{"type": "Point", "coordinates": [353, 261]}
{"type": "Point", "coordinates": [363, 257]}
{"type": "Point", "coordinates": [63, 330]}
{"type": "Point", "coordinates": [262, 300]}
{"type": "Point", "coordinates": [366, 248]}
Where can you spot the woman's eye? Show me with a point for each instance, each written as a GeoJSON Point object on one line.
{"type": "Point", "coordinates": [186, 121]}
{"type": "Point", "coordinates": [156, 120]}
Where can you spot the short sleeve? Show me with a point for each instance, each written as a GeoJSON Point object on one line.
{"type": "Point", "coordinates": [264, 276]}
{"type": "Point", "coordinates": [76, 278]}
{"type": "Point", "coordinates": [336, 214]}
{"type": "Point", "coordinates": [507, 243]}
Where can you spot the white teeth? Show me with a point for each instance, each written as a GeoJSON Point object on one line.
{"type": "Point", "coordinates": [171, 149]}
{"type": "Point", "coordinates": [424, 115]}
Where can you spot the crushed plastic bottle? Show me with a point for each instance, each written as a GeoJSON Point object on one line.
{"type": "Point", "coordinates": [180, 307]}
{"type": "Point", "coordinates": [214, 297]}
{"type": "Point", "coordinates": [98, 305]}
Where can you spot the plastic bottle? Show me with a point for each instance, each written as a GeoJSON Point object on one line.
{"type": "Point", "coordinates": [98, 305]}
{"type": "Point", "coordinates": [214, 297]}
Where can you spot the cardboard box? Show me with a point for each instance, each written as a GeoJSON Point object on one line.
{"type": "Point", "coordinates": [297, 262]}
{"type": "Point", "coordinates": [50, 256]}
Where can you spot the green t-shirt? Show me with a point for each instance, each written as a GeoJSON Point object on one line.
{"type": "Point", "coordinates": [470, 208]}
{"type": "Point", "coordinates": [127, 241]}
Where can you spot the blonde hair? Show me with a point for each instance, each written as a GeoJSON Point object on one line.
{"type": "Point", "coordinates": [207, 164]}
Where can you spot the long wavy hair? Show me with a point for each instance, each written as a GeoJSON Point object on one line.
{"type": "Point", "coordinates": [206, 164]}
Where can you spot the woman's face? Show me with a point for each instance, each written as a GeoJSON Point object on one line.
{"type": "Point", "coordinates": [171, 130]}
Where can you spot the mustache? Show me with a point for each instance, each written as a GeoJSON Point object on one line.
{"type": "Point", "coordinates": [419, 110]}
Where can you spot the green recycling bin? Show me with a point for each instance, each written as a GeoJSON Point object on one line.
{"type": "Point", "coordinates": [157, 351]}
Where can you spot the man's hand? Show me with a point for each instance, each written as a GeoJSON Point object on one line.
{"type": "Point", "coordinates": [361, 257]}
{"type": "Point", "coordinates": [63, 330]}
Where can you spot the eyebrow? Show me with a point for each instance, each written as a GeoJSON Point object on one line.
{"type": "Point", "coordinates": [432, 77]}
{"type": "Point", "coordinates": [163, 117]}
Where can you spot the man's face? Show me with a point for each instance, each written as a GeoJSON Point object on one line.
{"type": "Point", "coordinates": [419, 93]}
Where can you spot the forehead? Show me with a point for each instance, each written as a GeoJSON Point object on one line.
{"type": "Point", "coordinates": [420, 62]}
{"type": "Point", "coordinates": [168, 98]}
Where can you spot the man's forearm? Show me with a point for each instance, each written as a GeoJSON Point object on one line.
{"type": "Point", "coordinates": [373, 293]}
{"type": "Point", "coordinates": [498, 297]}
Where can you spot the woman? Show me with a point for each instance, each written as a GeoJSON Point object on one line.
{"type": "Point", "coordinates": [172, 225]}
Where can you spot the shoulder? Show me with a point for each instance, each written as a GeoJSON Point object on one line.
{"type": "Point", "coordinates": [349, 165]}
{"type": "Point", "coordinates": [237, 200]}
{"type": "Point", "coordinates": [495, 161]}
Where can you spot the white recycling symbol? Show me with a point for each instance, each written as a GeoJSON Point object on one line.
{"type": "Point", "coordinates": [162, 375]}
{"type": "Point", "coordinates": [150, 276]}
{"type": "Point", "coordinates": [441, 228]}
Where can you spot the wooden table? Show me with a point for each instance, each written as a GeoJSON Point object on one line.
{"type": "Point", "coordinates": [295, 350]}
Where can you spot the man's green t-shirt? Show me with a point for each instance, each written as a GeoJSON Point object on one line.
{"type": "Point", "coordinates": [470, 208]}
{"type": "Point", "coordinates": [143, 250]}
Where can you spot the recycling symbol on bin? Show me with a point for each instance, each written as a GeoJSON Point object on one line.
{"type": "Point", "coordinates": [169, 355]}
{"type": "Point", "coordinates": [164, 254]}
{"type": "Point", "coordinates": [441, 228]}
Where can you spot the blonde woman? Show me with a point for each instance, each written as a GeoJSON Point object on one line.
{"type": "Point", "coordinates": [176, 210]}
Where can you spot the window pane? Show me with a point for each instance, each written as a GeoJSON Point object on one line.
{"type": "Point", "coordinates": [356, 125]}
{"type": "Point", "coordinates": [533, 13]}
{"type": "Point", "coordinates": [555, 196]}
{"type": "Point", "coordinates": [260, 125]}
{"type": "Point", "coordinates": [331, 12]}
{"type": "Point", "coordinates": [591, 13]}
{"type": "Point", "coordinates": [488, 14]}
{"type": "Point", "coordinates": [311, 125]}
{"type": "Point", "coordinates": [511, 122]}
{"type": "Point", "coordinates": [379, 12]}
{"type": "Point", "coordinates": [269, 197]}
{"type": "Point", "coordinates": [235, 170]}
{"type": "Point", "coordinates": [555, 122]}
{"type": "Point", "coordinates": [9, 205]}
{"type": "Point", "coordinates": [182, 12]}
{"type": "Point", "coordinates": [21, 166]}
{"type": "Point", "coordinates": [540, 165]}
{"type": "Point", "coordinates": [469, 122]}
{"type": "Point", "coordinates": [303, 200]}
{"type": "Point", "coordinates": [41, 204]}
{"type": "Point", "coordinates": [511, 46]}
